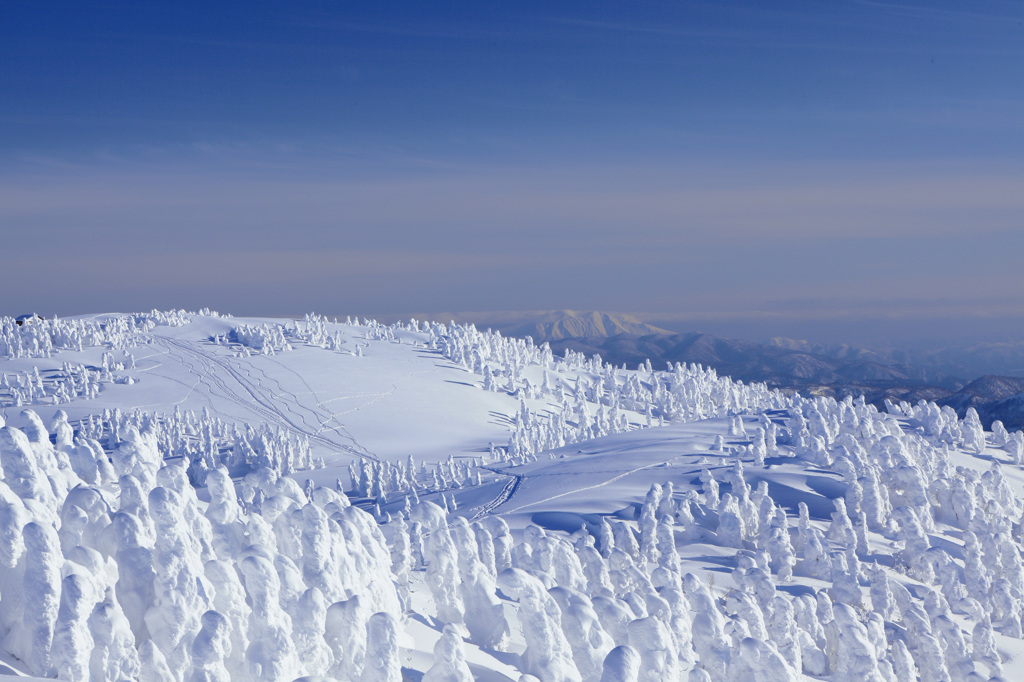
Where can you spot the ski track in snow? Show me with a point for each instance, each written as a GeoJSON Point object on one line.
{"type": "Point", "coordinates": [507, 492]}
{"type": "Point", "coordinates": [613, 479]}
{"type": "Point", "coordinates": [321, 413]}
{"type": "Point", "coordinates": [268, 404]}
{"type": "Point", "coordinates": [317, 414]}
{"type": "Point", "coordinates": [516, 480]}
{"type": "Point", "coordinates": [257, 401]}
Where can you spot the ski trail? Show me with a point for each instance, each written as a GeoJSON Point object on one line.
{"type": "Point", "coordinates": [324, 415]}
{"type": "Point", "coordinates": [252, 396]}
{"type": "Point", "coordinates": [521, 478]}
{"type": "Point", "coordinates": [507, 492]}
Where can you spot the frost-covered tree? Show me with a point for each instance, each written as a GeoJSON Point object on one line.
{"type": "Point", "coordinates": [449, 663]}
{"type": "Point", "coordinates": [484, 616]}
{"type": "Point", "coordinates": [346, 636]}
{"type": "Point", "coordinates": [622, 664]}
{"type": "Point", "coordinates": [72, 640]}
{"type": "Point", "coordinates": [382, 663]}
{"type": "Point", "coordinates": [587, 638]}
{"type": "Point", "coordinates": [442, 563]}
{"type": "Point", "coordinates": [40, 600]}
{"type": "Point", "coordinates": [210, 650]}
{"type": "Point", "coordinates": [548, 654]}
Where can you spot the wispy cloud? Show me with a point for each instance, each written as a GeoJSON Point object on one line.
{"type": "Point", "coordinates": [1010, 11]}
{"type": "Point", "coordinates": [567, 235]}
{"type": "Point", "coordinates": [682, 204]}
{"type": "Point", "coordinates": [746, 27]}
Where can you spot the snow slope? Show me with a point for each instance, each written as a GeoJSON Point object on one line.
{"type": "Point", "coordinates": [194, 496]}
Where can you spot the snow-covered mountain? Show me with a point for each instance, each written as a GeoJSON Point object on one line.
{"type": "Point", "coordinates": [835, 371]}
{"type": "Point", "coordinates": [555, 325]}
{"type": "Point", "coordinates": [193, 496]}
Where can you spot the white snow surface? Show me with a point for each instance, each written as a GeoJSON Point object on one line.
{"type": "Point", "coordinates": [190, 496]}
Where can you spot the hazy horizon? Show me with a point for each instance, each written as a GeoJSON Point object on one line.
{"type": "Point", "coordinates": [918, 331]}
{"type": "Point", "coordinates": [842, 171]}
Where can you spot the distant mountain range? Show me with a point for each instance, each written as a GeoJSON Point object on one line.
{"type": "Point", "coordinates": [972, 360]}
{"type": "Point", "coordinates": [948, 376]}
{"type": "Point", "coordinates": [570, 324]}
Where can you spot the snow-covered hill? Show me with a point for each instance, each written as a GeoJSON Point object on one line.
{"type": "Point", "coordinates": [191, 496]}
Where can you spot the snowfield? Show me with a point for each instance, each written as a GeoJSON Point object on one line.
{"type": "Point", "coordinates": [190, 496]}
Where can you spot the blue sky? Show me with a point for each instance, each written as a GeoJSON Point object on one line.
{"type": "Point", "coordinates": [854, 160]}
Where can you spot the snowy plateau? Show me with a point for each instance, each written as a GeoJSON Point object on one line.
{"type": "Point", "coordinates": [193, 496]}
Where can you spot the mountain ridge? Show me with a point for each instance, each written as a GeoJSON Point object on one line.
{"type": "Point", "coordinates": [833, 370]}
{"type": "Point", "coordinates": [993, 396]}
